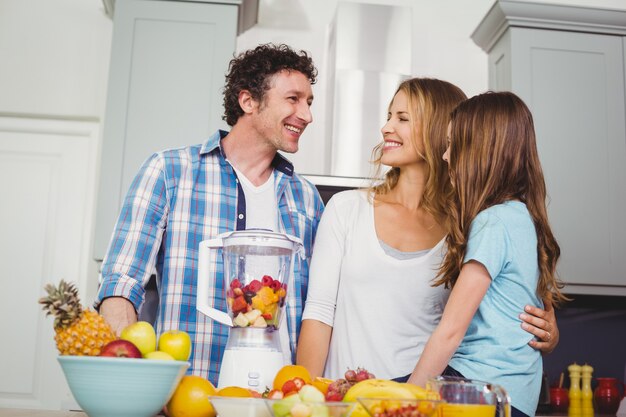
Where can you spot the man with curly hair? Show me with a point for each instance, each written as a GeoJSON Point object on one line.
{"type": "Point", "coordinates": [234, 181]}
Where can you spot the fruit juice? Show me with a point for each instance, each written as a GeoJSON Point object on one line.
{"type": "Point", "coordinates": [467, 410]}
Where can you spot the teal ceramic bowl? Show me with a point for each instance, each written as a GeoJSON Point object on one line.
{"type": "Point", "coordinates": [121, 387]}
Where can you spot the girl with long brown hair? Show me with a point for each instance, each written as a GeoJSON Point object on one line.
{"type": "Point", "coordinates": [377, 250]}
{"type": "Point", "coordinates": [501, 253]}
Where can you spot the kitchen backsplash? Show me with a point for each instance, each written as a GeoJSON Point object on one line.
{"type": "Point", "coordinates": [592, 330]}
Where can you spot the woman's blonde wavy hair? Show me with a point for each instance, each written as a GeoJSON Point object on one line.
{"type": "Point", "coordinates": [430, 102]}
{"type": "Point", "coordinates": [493, 159]}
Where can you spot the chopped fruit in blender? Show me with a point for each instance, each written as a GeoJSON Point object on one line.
{"type": "Point", "coordinates": [259, 322]}
{"type": "Point", "coordinates": [241, 320]}
{"type": "Point", "coordinates": [255, 285]}
{"type": "Point", "coordinates": [265, 296]}
{"type": "Point", "coordinates": [257, 303]}
{"type": "Point", "coordinates": [239, 305]}
{"type": "Point", "coordinates": [267, 280]}
{"type": "Point", "coordinates": [252, 315]}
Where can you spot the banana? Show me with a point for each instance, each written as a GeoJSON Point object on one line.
{"type": "Point", "coordinates": [422, 393]}
{"type": "Point", "coordinates": [376, 388]}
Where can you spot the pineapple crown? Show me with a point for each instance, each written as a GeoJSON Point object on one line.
{"type": "Point", "coordinates": [63, 303]}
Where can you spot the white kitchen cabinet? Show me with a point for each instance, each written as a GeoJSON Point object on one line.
{"type": "Point", "coordinates": [567, 64]}
{"type": "Point", "coordinates": [47, 183]}
{"type": "Point", "coordinates": [168, 62]}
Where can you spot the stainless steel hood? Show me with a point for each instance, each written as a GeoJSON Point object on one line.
{"type": "Point", "coordinates": [370, 52]}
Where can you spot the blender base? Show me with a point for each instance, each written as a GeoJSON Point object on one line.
{"type": "Point", "coordinates": [250, 368]}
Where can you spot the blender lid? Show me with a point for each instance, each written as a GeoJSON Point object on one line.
{"type": "Point", "coordinates": [261, 237]}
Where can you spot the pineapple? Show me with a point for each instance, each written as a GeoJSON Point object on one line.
{"type": "Point", "coordinates": [78, 332]}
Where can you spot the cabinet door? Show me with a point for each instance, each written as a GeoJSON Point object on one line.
{"type": "Point", "coordinates": [47, 182]}
{"type": "Point", "coordinates": [574, 85]}
{"type": "Point", "coordinates": [168, 63]}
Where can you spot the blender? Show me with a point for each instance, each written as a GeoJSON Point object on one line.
{"type": "Point", "coordinates": [257, 266]}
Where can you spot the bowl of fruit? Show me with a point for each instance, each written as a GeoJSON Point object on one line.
{"type": "Point", "coordinates": [121, 387]}
{"type": "Point", "coordinates": [308, 401]}
{"type": "Point", "coordinates": [400, 407]}
{"type": "Point", "coordinates": [239, 406]}
{"type": "Point", "coordinates": [110, 376]}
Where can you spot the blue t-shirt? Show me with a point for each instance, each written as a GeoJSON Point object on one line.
{"type": "Point", "coordinates": [495, 348]}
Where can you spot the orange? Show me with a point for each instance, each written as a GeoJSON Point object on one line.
{"type": "Point", "coordinates": [322, 384]}
{"type": "Point", "coordinates": [191, 398]}
{"type": "Point", "coordinates": [234, 392]}
{"type": "Point", "coordinates": [289, 372]}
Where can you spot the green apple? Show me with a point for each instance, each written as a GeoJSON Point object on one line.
{"type": "Point", "coordinates": [177, 343]}
{"type": "Point", "coordinates": [142, 335]}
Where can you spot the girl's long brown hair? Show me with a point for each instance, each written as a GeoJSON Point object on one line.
{"type": "Point", "coordinates": [430, 102]}
{"type": "Point", "coordinates": [493, 158]}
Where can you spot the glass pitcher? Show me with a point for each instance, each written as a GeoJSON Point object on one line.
{"type": "Point", "coordinates": [470, 398]}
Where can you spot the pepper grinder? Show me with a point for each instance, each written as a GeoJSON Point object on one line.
{"type": "Point", "coordinates": [575, 405]}
{"type": "Point", "coordinates": [586, 392]}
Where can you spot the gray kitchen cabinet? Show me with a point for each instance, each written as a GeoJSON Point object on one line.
{"type": "Point", "coordinates": [568, 65]}
{"type": "Point", "coordinates": [168, 61]}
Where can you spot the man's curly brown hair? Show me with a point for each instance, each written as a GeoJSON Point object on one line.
{"type": "Point", "coordinates": [252, 70]}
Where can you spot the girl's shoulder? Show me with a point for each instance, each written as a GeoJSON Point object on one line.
{"type": "Point", "coordinates": [507, 212]}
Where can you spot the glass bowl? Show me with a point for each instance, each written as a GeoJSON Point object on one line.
{"type": "Point", "coordinates": [239, 407]}
{"type": "Point", "coordinates": [398, 407]}
{"type": "Point", "coordinates": [121, 387]}
{"type": "Point", "coordinates": [292, 406]}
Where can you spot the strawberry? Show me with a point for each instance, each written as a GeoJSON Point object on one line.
{"type": "Point", "coordinates": [267, 316]}
{"type": "Point", "coordinates": [275, 285]}
{"type": "Point", "coordinates": [235, 283]}
{"type": "Point", "coordinates": [288, 387]}
{"type": "Point", "coordinates": [239, 304]}
{"type": "Point", "coordinates": [267, 280]}
{"type": "Point", "coordinates": [255, 285]}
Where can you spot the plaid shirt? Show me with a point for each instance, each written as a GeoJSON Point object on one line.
{"type": "Point", "coordinates": [179, 198]}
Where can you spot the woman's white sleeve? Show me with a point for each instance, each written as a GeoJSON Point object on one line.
{"type": "Point", "coordinates": [326, 261]}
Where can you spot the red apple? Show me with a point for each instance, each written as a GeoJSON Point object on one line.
{"type": "Point", "coordinates": [120, 349]}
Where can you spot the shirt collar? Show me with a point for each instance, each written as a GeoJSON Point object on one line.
{"type": "Point", "coordinates": [213, 143]}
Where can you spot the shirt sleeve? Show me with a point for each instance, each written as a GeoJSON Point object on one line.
{"type": "Point", "coordinates": [136, 239]}
{"type": "Point", "coordinates": [326, 266]}
{"type": "Point", "coordinates": [487, 243]}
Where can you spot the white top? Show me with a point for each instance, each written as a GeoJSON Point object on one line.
{"type": "Point", "coordinates": [382, 309]}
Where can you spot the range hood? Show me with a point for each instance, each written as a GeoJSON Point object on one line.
{"type": "Point", "coordinates": [370, 54]}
